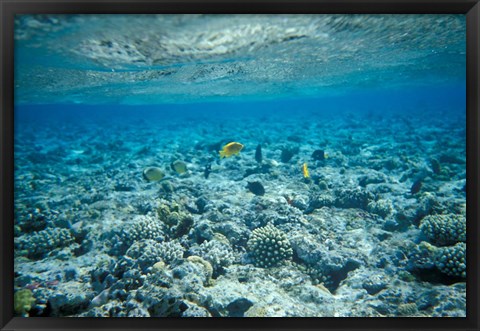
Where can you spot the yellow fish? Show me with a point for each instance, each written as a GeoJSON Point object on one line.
{"type": "Point", "coordinates": [230, 149]}
{"type": "Point", "coordinates": [306, 174]}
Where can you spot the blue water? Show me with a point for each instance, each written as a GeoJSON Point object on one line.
{"type": "Point", "coordinates": [429, 105]}
{"type": "Point", "coordinates": [99, 99]}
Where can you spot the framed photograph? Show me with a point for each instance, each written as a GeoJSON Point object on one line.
{"type": "Point", "coordinates": [233, 165]}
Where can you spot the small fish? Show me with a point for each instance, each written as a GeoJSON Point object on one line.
{"type": "Point", "coordinates": [318, 155]}
{"type": "Point", "coordinates": [208, 169]}
{"type": "Point", "coordinates": [435, 166]}
{"type": "Point", "coordinates": [416, 186]}
{"type": "Point", "coordinates": [33, 286]}
{"type": "Point", "coordinates": [230, 149]}
{"type": "Point", "coordinates": [306, 174]}
{"type": "Point", "coordinates": [179, 167]}
{"type": "Point", "coordinates": [100, 299]}
{"type": "Point", "coordinates": [52, 283]}
{"type": "Point", "coordinates": [288, 153]}
{"type": "Point", "coordinates": [256, 188]}
{"type": "Point", "coordinates": [153, 174]}
{"type": "Point", "coordinates": [258, 154]}
{"type": "Point", "coordinates": [78, 151]}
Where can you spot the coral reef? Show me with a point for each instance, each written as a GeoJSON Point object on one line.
{"type": "Point", "coordinates": [140, 228]}
{"type": "Point", "coordinates": [218, 253]}
{"type": "Point", "coordinates": [269, 247]}
{"type": "Point", "coordinates": [444, 230]}
{"type": "Point", "coordinates": [23, 301]}
{"type": "Point", "coordinates": [407, 309]}
{"type": "Point", "coordinates": [38, 244]}
{"type": "Point", "coordinates": [353, 198]}
{"type": "Point", "coordinates": [381, 207]}
{"type": "Point", "coordinates": [452, 260]}
{"type": "Point", "coordinates": [171, 251]}
{"type": "Point", "coordinates": [207, 265]}
{"type": "Point", "coordinates": [318, 201]}
{"type": "Point", "coordinates": [421, 256]}
{"type": "Point", "coordinates": [147, 252]}
{"type": "Point", "coordinates": [178, 222]}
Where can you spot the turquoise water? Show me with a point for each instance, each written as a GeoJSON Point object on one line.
{"type": "Point", "coordinates": [100, 99]}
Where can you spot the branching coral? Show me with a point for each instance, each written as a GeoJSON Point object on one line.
{"type": "Point", "coordinates": [144, 228]}
{"type": "Point", "coordinates": [171, 251]}
{"type": "Point", "coordinates": [218, 253]}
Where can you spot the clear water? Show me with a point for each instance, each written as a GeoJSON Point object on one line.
{"type": "Point", "coordinates": [99, 98]}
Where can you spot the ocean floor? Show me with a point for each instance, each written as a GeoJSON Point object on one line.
{"type": "Point", "coordinates": [377, 228]}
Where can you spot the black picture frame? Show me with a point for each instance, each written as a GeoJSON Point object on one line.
{"type": "Point", "coordinates": [11, 7]}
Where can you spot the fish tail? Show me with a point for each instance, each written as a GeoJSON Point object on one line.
{"type": "Point", "coordinates": [222, 154]}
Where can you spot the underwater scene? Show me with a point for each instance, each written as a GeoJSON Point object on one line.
{"type": "Point", "coordinates": [240, 166]}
